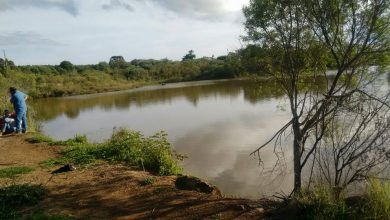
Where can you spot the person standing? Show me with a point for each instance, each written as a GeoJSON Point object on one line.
{"type": "Point", "coordinates": [18, 99]}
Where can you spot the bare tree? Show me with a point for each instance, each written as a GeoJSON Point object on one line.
{"type": "Point", "coordinates": [305, 36]}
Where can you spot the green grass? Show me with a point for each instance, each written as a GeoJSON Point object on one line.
{"type": "Point", "coordinates": [320, 204]}
{"type": "Point", "coordinates": [150, 153]}
{"type": "Point", "coordinates": [16, 197]}
{"type": "Point", "coordinates": [13, 172]}
{"type": "Point", "coordinates": [39, 139]}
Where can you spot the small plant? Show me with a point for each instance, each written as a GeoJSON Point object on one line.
{"type": "Point", "coordinates": [14, 198]}
{"type": "Point", "coordinates": [147, 181]}
{"type": "Point", "coordinates": [13, 172]}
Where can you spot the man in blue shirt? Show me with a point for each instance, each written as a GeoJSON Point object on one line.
{"type": "Point", "coordinates": [18, 99]}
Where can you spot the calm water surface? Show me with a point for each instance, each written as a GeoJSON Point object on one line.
{"type": "Point", "coordinates": [215, 123]}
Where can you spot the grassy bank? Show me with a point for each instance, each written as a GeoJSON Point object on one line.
{"type": "Point", "coordinates": [321, 204]}
{"type": "Point", "coordinates": [153, 153]}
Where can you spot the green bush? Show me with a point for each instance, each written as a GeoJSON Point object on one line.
{"type": "Point", "coordinates": [16, 197]}
{"type": "Point", "coordinates": [150, 153]}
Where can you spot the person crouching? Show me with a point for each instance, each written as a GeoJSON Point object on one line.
{"type": "Point", "coordinates": [7, 122]}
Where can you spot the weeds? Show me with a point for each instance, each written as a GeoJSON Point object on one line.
{"type": "Point", "coordinates": [13, 172]}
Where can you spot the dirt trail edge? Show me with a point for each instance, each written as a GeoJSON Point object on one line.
{"type": "Point", "coordinates": [106, 191]}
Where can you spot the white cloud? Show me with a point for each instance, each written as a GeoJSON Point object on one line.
{"type": "Point", "coordinates": [202, 9]}
{"type": "Point", "coordinates": [66, 5]}
{"type": "Point", "coordinates": [42, 35]}
{"type": "Point", "coordinates": [117, 4]}
{"type": "Point", "coordinates": [25, 38]}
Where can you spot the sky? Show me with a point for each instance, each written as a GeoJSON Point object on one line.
{"type": "Point", "coordinates": [90, 31]}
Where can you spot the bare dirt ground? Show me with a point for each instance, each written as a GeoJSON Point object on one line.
{"type": "Point", "coordinates": [106, 191]}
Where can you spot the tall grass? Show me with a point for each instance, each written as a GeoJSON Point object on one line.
{"type": "Point", "coordinates": [152, 153]}
{"type": "Point", "coordinates": [13, 172]}
{"type": "Point", "coordinates": [378, 200]}
{"type": "Point", "coordinates": [321, 204]}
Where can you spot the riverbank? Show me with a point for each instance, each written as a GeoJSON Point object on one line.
{"type": "Point", "coordinates": [111, 191]}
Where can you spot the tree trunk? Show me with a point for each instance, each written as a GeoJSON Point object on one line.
{"type": "Point", "coordinates": [297, 156]}
{"type": "Point", "coordinates": [297, 168]}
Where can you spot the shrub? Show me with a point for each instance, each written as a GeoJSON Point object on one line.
{"type": "Point", "coordinates": [151, 153]}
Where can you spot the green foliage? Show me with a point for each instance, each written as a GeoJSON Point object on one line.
{"type": "Point", "coordinates": [147, 181]}
{"type": "Point", "coordinates": [13, 172]}
{"type": "Point", "coordinates": [151, 153]}
{"type": "Point", "coordinates": [67, 66]}
{"type": "Point", "coordinates": [15, 197]}
{"type": "Point", "coordinates": [320, 203]}
{"type": "Point", "coordinates": [189, 56]}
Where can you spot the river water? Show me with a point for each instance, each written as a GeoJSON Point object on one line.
{"type": "Point", "coordinates": [216, 124]}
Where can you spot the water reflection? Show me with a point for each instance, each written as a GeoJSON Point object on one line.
{"type": "Point", "coordinates": [215, 123]}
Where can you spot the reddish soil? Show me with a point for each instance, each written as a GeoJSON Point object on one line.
{"type": "Point", "coordinates": [106, 191]}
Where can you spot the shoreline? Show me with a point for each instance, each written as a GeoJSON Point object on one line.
{"type": "Point", "coordinates": [111, 191]}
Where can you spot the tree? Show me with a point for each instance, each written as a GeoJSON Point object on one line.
{"type": "Point", "coordinates": [299, 35]}
{"type": "Point", "coordinates": [189, 56]}
{"type": "Point", "coordinates": [67, 66]}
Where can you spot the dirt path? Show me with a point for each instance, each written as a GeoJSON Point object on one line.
{"type": "Point", "coordinates": [106, 191]}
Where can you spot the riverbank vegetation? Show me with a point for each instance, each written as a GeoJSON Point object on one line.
{"type": "Point", "coordinates": [320, 203]}
{"type": "Point", "coordinates": [153, 154]}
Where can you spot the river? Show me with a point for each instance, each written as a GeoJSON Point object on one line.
{"type": "Point", "coordinates": [216, 124]}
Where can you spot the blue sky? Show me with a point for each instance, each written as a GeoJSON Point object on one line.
{"type": "Point", "coordinates": [89, 31]}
